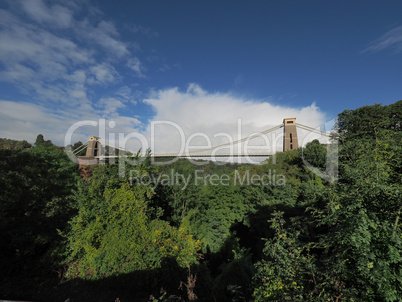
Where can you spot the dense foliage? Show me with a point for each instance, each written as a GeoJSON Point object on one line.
{"type": "Point", "coordinates": [279, 231]}
{"type": "Point", "coordinates": [348, 246]}
{"type": "Point", "coordinates": [10, 144]}
{"type": "Point", "coordinates": [36, 202]}
{"type": "Point", "coordinates": [113, 232]}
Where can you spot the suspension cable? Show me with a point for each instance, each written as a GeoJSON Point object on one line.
{"type": "Point", "coordinates": [301, 126]}
{"type": "Point", "coordinates": [215, 147]}
{"type": "Point", "coordinates": [316, 132]}
{"type": "Point", "coordinates": [80, 148]}
{"type": "Point", "coordinates": [311, 129]}
{"type": "Point", "coordinates": [114, 147]}
{"type": "Point", "coordinates": [230, 143]}
{"type": "Point", "coordinates": [238, 141]}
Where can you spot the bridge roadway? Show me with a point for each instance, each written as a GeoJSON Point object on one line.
{"type": "Point", "coordinates": [193, 155]}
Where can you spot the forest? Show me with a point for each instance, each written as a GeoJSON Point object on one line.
{"type": "Point", "coordinates": [209, 232]}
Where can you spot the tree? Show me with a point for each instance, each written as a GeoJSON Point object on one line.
{"type": "Point", "coordinates": [315, 154]}
{"type": "Point", "coordinates": [348, 242]}
{"type": "Point", "coordinates": [113, 234]}
{"type": "Point", "coordinates": [76, 146]}
{"type": "Point", "coordinates": [364, 246]}
{"type": "Point", "coordinates": [40, 141]}
{"type": "Point", "coordinates": [13, 144]}
{"type": "Point", "coordinates": [35, 203]}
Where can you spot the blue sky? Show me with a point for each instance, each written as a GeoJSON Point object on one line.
{"type": "Point", "coordinates": [200, 64]}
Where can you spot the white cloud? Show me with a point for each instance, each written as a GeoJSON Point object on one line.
{"type": "Point", "coordinates": [25, 121]}
{"type": "Point", "coordinates": [50, 57]}
{"type": "Point", "coordinates": [196, 106]}
{"type": "Point", "coordinates": [135, 65]}
{"type": "Point", "coordinates": [55, 15]}
{"type": "Point", "coordinates": [198, 111]}
{"type": "Point", "coordinates": [37, 60]}
{"type": "Point", "coordinates": [126, 94]}
{"type": "Point", "coordinates": [103, 73]}
{"type": "Point", "coordinates": [61, 62]}
{"type": "Point", "coordinates": [392, 39]}
{"type": "Point", "coordinates": [110, 105]}
{"type": "Point", "coordinates": [105, 35]}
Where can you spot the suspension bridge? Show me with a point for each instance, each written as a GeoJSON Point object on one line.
{"type": "Point", "coordinates": [96, 147]}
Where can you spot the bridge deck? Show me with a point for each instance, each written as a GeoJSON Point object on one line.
{"type": "Point", "coordinates": [194, 155]}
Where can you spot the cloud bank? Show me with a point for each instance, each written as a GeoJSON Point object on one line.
{"type": "Point", "coordinates": [204, 116]}
{"type": "Point", "coordinates": [66, 63]}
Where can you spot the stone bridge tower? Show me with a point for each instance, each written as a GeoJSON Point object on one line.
{"type": "Point", "coordinates": [290, 141]}
{"type": "Point", "coordinates": [94, 147]}
{"type": "Point", "coordinates": [93, 150]}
